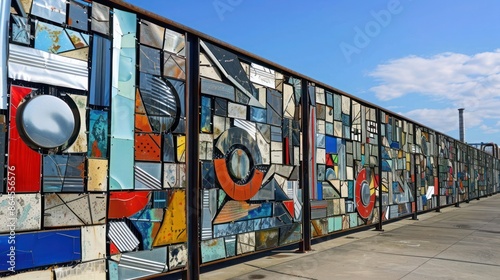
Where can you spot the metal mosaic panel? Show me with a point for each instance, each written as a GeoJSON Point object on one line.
{"type": "Point", "coordinates": [252, 159]}
{"type": "Point", "coordinates": [346, 167]}
{"type": "Point", "coordinates": [93, 140]}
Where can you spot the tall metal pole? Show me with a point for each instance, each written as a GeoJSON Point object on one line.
{"type": "Point", "coordinates": [380, 187]}
{"type": "Point", "coordinates": [305, 245]}
{"type": "Point", "coordinates": [438, 202]}
{"type": "Point", "coordinates": [415, 172]}
{"type": "Point", "coordinates": [461, 124]}
{"type": "Point", "coordinates": [192, 155]}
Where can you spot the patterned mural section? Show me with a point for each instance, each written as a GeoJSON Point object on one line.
{"type": "Point", "coordinates": [93, 149]}
{"type": "Point", "coordinates": [250, 155]}
{"type": "Point", "coordinates": [426, 179]}
{"type": "Point", "coordinates": [95, 137]}
{"type": "Point", "coordinates": [398, 180]}
{"type": "Point", "coordinates": [345, 192]}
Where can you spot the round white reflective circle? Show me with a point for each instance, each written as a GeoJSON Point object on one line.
{"type": "Point", "coordinates": [48, 121]}
{"type": "Point", "coordinates": [239, 164]}
{"type": "Point", "coordinates": [365, 193]}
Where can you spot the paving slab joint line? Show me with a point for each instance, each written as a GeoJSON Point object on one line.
{"type": "Point", "coordinates": [282, 273]}
{"type": "Point", "coordinates": [448, 247]}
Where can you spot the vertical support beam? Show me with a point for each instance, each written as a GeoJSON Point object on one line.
{"type": "Point", "coordinates": [379, 140]}
{"type": "Point", "coordinates": [192, 156]}
{"type": "Point", "coordinates": [415, 172]}
{"type": "Point", "coordinates": [455, 184]}
{"type": "Point", "coordinates": [438, 202]}
{"type": "Point", "coordinates": [305, 245]}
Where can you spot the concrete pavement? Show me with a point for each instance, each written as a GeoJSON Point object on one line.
{"type": "Point", "coordinates": [456, 243]}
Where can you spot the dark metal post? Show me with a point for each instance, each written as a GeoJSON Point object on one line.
{"type": "Point", "coordinates": [461, 124]}
{"type": "Point", "coordinates": [379, 147]}
{"type": "Point", "coordinates": [192, 155]}
{"type": "Point", "coordinates": [455, 184]}
{"type": "Point", "coordinates": [415, 172]}
{"type": "Point", "coordinates": [305, 245]}
{"type": "Point", "coordinates": [438, 202]}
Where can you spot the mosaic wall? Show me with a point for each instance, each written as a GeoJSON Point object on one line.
{"type": "Point", "coordinates": [346, 154]}
{"type": "Point", "coordinates": [93, 140]}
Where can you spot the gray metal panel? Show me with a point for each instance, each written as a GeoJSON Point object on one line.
{"type": "Point", "coordinates": [37, 66]}
{"type": "Point", "coordinates": [4, 41]}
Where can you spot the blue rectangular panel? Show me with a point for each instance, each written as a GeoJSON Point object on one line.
{"type": "Point", "coordinates": [100, 76]}
{"type": "Point", "coordinates": [121, 165]}
{"type": "Point", "coordinates": [331, 144]}
{"type": "Point", "coordinates": [39, 249]}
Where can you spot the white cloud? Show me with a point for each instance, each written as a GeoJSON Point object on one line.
{"type": "Point", "coordinates": [452, 76]}
{"type": "Point", "coordinates": [453, 79]}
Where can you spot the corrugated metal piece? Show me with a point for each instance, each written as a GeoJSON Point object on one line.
{"type": "Point", "coordinates": [23, 162]}
{"type": "Point", "coordinates": [63, 173]}
{"type": "Point", "coordinates": [89, 270]}
{"type": "Point", "coordinates": [37, 66]}
{"type": "Point", "coordinates": [147, 175]}
{"type": "Point", "coordinates": [234, 210]}
{"type": "Point", "coordinates": [4, 40]}
{"type": "Point", "coordinates": [121, 235]}
{"type": "Point", "coordinates": [100, 78]}
{"type": "Point", "coordinates": [208, 211]}
{"type": "Point", "coordinates": [143, 263]}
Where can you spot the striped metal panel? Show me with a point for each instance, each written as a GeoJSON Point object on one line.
{"type": "Point", "coordinates": [122, 236]}
{"type": "Point", "coordinates": [146, 178]}
{"type": "Point", "coordinates": [32, 65]}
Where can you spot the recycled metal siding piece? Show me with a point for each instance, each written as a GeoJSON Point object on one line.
{"type": "Point", "coordinates": [66, 209]}
{"type": "Point", "coordinates": [36, 249]}
{"type": "Point", "coordinates": [100, 18]}
{"type": "Point", "coordinates": [80, 144]}
{"type": "Point", "coordinates": [23, 162]}
{"type": "Point", "coordinates": [123, 101]}
{"type": "Point", "coordinates": [100, 79]}
{"type": "Point", "coordinates": [173, 228]}
{"type": "Point", "coordinates": [93, 242]}
{"type": "Point", "coordinates": [27, 215]}
{"type": "Point", "coordinates": [37, 66]}
{"type": "Point", "coordinates": [53, 10]}
{"type": "Point", "coordinates": [95, 270]}
{"type": "Point", "coordinates": [142, 263]}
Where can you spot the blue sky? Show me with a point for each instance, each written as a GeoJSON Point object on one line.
{"type": "Point", "coordinates": [422, 59]}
